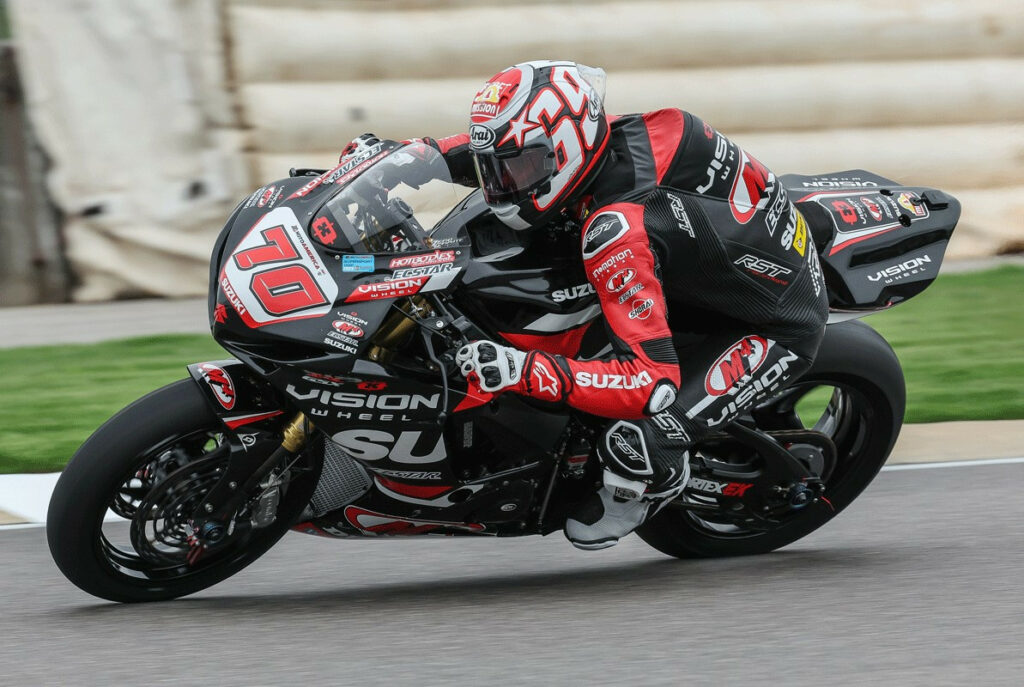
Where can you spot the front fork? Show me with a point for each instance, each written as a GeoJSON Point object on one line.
{"type": "Point", "coordinates": [212, 519]}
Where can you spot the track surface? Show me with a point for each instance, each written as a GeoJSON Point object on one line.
{"type": "Point", "coordinates": [919, 582]}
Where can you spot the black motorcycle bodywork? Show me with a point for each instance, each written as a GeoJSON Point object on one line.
{"type": "Point", "coordinates": [429, 458]}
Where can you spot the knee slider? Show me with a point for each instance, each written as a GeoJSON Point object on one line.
{"type": "Point", "coordinates": [662, 396]}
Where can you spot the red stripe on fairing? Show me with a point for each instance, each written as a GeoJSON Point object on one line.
{"type": "Point", "coordinates": [415, 490]}
{"type": "Point", "coordinates": [449, 142]}
{"type": "Point", "coordinates": [232, 423]}
{"type": "Point", "coordinates": [473, 400]}
{"type": "Point", "coordinates": [849, 242]}
{"type": "Point", "coordinates": [665, 130]}
{"type": "Point", "coordinates": [565, 343]}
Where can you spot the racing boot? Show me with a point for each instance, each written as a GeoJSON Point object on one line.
{"type": "Point", "coordinates": [619, 507]}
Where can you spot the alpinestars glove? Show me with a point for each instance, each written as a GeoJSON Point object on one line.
{"type": "Point", "coordinates": [495, 368]}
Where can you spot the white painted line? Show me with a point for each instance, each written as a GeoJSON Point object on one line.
{"type": "Point", "coordinates": [955, 464]}
{"type": "Point", "coordinates": [27, 496]}
{"type": "Point", "coordinates": [39, 495]}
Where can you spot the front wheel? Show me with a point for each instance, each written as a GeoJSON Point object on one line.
{"type": "Point", "coordinates": [857, 379]}
{"type": "Point", "coordinates": [151, 465]}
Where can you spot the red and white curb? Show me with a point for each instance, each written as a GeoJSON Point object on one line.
{"type": "Point", "coordinates": [25, 498]}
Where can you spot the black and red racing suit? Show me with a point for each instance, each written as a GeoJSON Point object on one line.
{"type": "Point", "coordinates": [680, 218]}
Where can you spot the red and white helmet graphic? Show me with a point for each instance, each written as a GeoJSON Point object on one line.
{"type": "Point", "coordinates": [537, 132]}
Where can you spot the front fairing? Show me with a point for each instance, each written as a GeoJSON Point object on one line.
{"type": "Point", "coordinates": [283, 293]}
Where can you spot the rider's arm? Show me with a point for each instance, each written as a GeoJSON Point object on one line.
{"type": "Point", "coordinates": [642, 378]}
{"type": "Point", "coordinates": [619, 263]}
{"type": "Point", "coordinates": [455, 150]}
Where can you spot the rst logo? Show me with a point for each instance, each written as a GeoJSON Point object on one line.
{"type": "Point", "coordinates": [739, 362]}
{"type": "Point", "coordinates": [762, 267]}
{"type": "Point", "coordinates": [220, 383]}
{"type": "Point", "coordinates": [410, 448]}
{"type": "Point", "coordinates": [605, 229]}
{"type": "Point", "coordinates": [679, 212]}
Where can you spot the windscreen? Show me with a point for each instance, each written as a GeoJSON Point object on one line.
{"type": "Point", "coordinates": [392, 206]}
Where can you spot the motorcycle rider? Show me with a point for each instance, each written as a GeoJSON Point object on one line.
{"type": "Point", "coordinates": [672, 212]}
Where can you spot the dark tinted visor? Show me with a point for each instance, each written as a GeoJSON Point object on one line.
{"type": "Point", "coordinates": [512, 178]}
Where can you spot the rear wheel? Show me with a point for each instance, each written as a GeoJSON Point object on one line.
{"type": "Point", "coordinates": [118, 522]}
{"type": "Point", "coordinates": [854, 395]}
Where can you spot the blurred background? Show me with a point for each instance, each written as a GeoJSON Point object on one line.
{"type": "Point", "coordinates": [130, 128]}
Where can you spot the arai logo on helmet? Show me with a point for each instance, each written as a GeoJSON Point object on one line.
{"type": "Point", "coordinates": [220, 383]}
{"type": "Point", "coordinates": [481, 136]}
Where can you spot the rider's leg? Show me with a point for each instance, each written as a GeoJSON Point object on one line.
{"type": "Point", "coordinates": [646, 462]}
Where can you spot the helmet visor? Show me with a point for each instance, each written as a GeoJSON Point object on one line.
{"type": "Point", "coordinates": [512, 178]}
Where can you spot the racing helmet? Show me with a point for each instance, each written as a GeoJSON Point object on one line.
{"type": "Point", "coordinates": [537, 133]}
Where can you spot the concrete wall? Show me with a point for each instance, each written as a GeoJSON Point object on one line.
{"type": "Point", "coordinates": [925, 92]}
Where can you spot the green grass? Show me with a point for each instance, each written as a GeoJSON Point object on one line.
{"type": "Point", "coordinates": [53, 397]}
{"type": "Point", "coordinates": [961, 343]}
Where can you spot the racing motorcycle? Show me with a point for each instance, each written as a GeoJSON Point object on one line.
{"type": "Point", "coordinates": [342, 296]}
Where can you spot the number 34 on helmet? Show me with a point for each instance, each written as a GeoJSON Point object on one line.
{"type": "Point", "coordinates": [537, 132]}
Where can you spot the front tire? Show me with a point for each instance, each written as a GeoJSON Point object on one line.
{"type": "Point", "coordinates": [113, 469]}
{"type": "Point", "coordinates": [864, 419]}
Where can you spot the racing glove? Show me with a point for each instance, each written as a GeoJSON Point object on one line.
{"type": "Point", "coordinates": [358, 144]}
{"type": "Point", "coordinates": [493, 368]}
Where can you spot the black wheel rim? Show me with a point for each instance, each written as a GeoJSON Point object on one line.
{"type": "Point", "coordinates": [848, 418]}
{"type": "Point", "coordinates": [154, 547]}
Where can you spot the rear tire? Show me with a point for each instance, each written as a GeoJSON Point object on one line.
{"type": "Point", "coordinates": [852, 357]}
{"type": "Point", "coordinates": [96, 477]}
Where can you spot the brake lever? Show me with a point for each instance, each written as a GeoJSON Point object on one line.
{"type": "Point", "coordinates": [442, 368]}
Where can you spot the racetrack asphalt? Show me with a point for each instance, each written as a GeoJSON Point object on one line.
{"type": "Point", "coordinates": [917, 583]}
